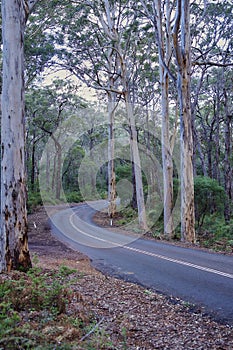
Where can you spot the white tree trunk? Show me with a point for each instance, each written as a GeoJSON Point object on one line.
{"type": "Point", "coordinates": [14, 245]}
{"type": "Point", "coordinates": [167, 160]}
{"type": "Point", "coordinates": [137, 165]}
{"type": "Point", "coordinates": [186, 139]}
{"type": "Point", "coordinates": [164, 44]}
{"type": "Point", "coordinates": [111, 156]}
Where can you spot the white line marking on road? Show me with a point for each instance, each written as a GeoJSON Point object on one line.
{"type": "Point", "coordinates": [181, 262]}
{"type": "Point", "coordinates": [136, 250]}
{"type": "Point", "coordinates": [89, 235]}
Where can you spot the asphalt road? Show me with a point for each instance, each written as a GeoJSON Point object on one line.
{"type": "Point", "coordinates": [197, 277]}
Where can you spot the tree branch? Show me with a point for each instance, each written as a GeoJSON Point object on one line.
{"type": "Point", "coordinates": [92, 330]}
{"type": "Point", "coordinates": [31, 4]}
{"type": "Point", "coordinates": [211, 63]}
{"type": "Point", "coordinates": [175, 33]}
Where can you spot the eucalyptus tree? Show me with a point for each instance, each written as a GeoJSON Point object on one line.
{"type": "Point", "coordinates": [99, 49]}
{"type": "Point", "coordinates": [160, 16]}
{"type": "Point", "coordinates": [171, 22]}
{"type": "Point", "coordinates": [92, 59]}
{"type": "Point", "coordinates": [182, 48]}
{"type": "Point", "coordinates": [14, 251]}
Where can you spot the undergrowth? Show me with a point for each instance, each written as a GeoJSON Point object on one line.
{"type": "Point", "coordinates": [41, 309]}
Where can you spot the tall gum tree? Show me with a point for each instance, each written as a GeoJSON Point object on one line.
{"type": "Point", "coordinates": [124, 73]}
{"type": "Point", "coordinates": [108, 22]}
{"type": "Point", "coordinates": [14, 253]}
{"type": "Point", "coordinates": [173, 42]}
{"type": "Point", "coordinates": [182, 47]}
{"type": "Point", "coordinates": [160, 16]}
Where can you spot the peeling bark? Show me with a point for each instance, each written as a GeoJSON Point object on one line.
{"type": "Point", "coordinates": [14, 253]}
{"type": "Point", "coordinates": [164, 41]}
{"type": "Point", "coordinates": [183, 59]}
{"type": "Point", "coordinates": [136, 164]}
{"type": "Point", "coordinates": [111, 161]}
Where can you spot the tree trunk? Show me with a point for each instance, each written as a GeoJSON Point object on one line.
{"type": "Point", "coordinates": [53, 185]}
{"type": "Point", "coordinates": [165, 56]}
{"type": "Point", "coordinates": [33, 165]}
{"type": "Point", "coordinates": [134, 194]}
{"type": "Point", "coordinates": [196, 142]}
{"type": "Point", "coordinates": [58, 171]}
{"type": "Point", "coordinates": [167, 159]}
{"type": "Point", "coordinates": [186, 141]}
{"type": "Point", "coordinates": [14, 242]}
{"type": "Point", "coordinates": [227, 163]}
{"type": "Point", "coordinates": [111, 125]}
{"type": "Point", "coordinates": [111, 156]}
{"type": "Point", "coordinates": [48, 170]}
{"type": "Point", "coordinates": [137, 165]}
{"type": "Point", "coordinates": [217, 111]}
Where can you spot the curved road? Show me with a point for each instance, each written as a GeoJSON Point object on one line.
{"type": "Point", "coordinates": [197, 277]}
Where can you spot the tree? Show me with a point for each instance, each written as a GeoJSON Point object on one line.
{"type": "Point", "coordinates": [174, 46]}
{"type": "Point", "coordinates": [14, 251]}
{"type": "Point", "coordinates": [160, 16]}
{"type": "Point", "coordinates": [182, 47]}
{"type": "Point", "coordinates": [103, 61]}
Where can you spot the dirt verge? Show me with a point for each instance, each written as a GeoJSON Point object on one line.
{"type": "Point", "coordinates": [131, 317]}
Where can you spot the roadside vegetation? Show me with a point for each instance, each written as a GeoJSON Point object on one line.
{"type": "Point", "coordinates": [37, 311]}
{"type": "Point", "coordinates": [212, 230]}
{"type": "Point", "coordinates": [65, 309]}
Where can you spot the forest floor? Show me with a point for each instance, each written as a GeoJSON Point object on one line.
{"type": "Point", "coordinates": [97, 311]}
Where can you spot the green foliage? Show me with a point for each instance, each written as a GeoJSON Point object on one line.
{"type": "Point", "coordinates": [34, 200]}
{"type": "Point", "coordinates": [124, 336]}
{"type": "Point", "coordinates": [216, 234]}
{"type": "Point", "coordinates": [31, 302]}
{"type": "Point", "coordinates": [213, 232]}
{"type": "Point", "coordinates": [129, 215]}
{"type": "Point", "coordinates": [74, 197]}
{"type": "Point", "coordinates": [209, 198]}
{"type": "Point", "coordinates": [152, 215]}
{"type": "Point", "coordinates": [35, 291]}
{"type": "Point", "coordinates": [124, 171]}
{"type": "Point", "coordinates": [99, 339]}
{"type": "Point", "coordinates": [49, 198]}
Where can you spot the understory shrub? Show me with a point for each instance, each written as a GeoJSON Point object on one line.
{"type": "Point", "coordinates": [73, 197]}
{"type": "Point", "coordinates": [34, 200]}
{"type": "Point", "coordinates": [209, 198]}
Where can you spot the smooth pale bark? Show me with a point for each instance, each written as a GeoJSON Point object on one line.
{"type": "Point", "coordinates": [48, 170]}
{"type": "Point", "coordinates": [110, 30]}
{"type": "Point", "coordinates": [14, 253]}
{"type": "Point", "coordinates": [167, 161]}
{"type": "Point", "coordinates": [108, 22]}
{"type": "Point", "coordinates": [111, 124]}
{"type": "Point", "coordinates": [183, 59]}
{"type": "Point", "coordinates": [180, 34]}
{"type": "Point", "coordinates": [136, 164]}
{"type": "Point", "coordinates": [164, 43]}
{"type": "Point", "coordinates": [58, 167]}
{"type": "Point", "coordinates": [111, 156]}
